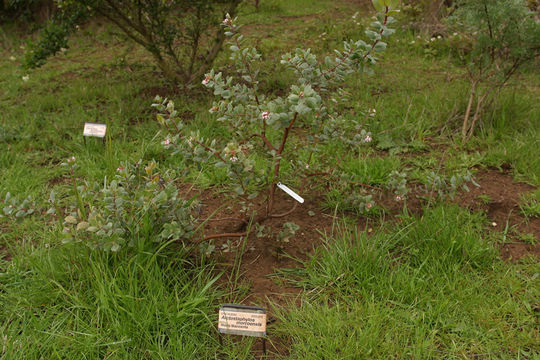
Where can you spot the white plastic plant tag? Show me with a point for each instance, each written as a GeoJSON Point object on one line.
{"type": "Point", "coordinates": [96, 130]}
{"type": "Point", "coordinates": [294, 195]}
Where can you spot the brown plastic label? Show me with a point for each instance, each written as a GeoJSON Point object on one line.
{"type": "Point", "coordinates": [93, 129]}
{"type": "Point", "coordinates": [242, 321]}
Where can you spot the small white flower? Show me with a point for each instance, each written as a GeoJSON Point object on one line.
{"type": "Point", "coordinates": [367, 139]}
{"type": "Point", "coordinates": [25, 78]}
{"type": "Point", "coordinates": [399, 198]}
{"type": "Point", "coordinates": [265, 115]}
{"type": "Point", "coordinates": [12, 58]}
{"type": "Point", "coordinates": [206, 80]}
{"type": "Point", "coordinates": [494, 224]}
{"type": "Point", "coordinates": [166, 142]}
{"type": "Point", "coordinates": [432, 39]}
{"type": "Point", "coordinates": [233, 159]}
{"type": "Point", "coordinates": [307, 166]}
{"type": "Point", "coordinates": [439, 37]}
{"type": "Point", "coordinates": [369, 205]}
{"type": "Point", "coordinates": [119, 169]}
{"type": "Point", "coordinates": [372, 112]}
{"type": "Point", "coordinates": [412, 42]}
{"type": "Point", "coordinates": [455, 34]}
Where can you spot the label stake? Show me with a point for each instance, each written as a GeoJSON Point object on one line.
{"type": "Point", "coordinates": [291, 193]}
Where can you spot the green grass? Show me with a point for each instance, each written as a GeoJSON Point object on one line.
{"type": "Point", "coordinates": [425, 287]}
{"type": "Point", "coordinates": [71, 302]}
{"type": "Point", "coordinates": [432, 288]}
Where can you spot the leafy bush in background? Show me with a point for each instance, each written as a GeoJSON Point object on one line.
{"type": "Point", "coordinates": [183, 36]}
{"type": "Point", "coordinates": [53, 38]}
{"type": "Point", "coordinates": [503, 35]}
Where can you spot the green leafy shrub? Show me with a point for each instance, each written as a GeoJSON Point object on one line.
{"type": "Point", "coordinates": [500, 36]}
{"type": "Point", "coordinates": [138, 206]}
{"type": "Point", "coordinates": [263, 126]}
{"type": "Point", "coordinates": [183, 36]}
{"type": "Point", "coordinates": [53, 39]}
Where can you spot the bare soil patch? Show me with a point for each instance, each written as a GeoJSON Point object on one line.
{"type": "Point", "coordinates": [499, 196]}
{"type": "Point", "coordinates": [261, 253]}
{"type": "Point", "coordinates": [260, 256]}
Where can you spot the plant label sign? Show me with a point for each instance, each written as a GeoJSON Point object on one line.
{"type": "Point", "coordinates": [242, 320]}
{"type": "Point", "coordinates": [291, 193]}
{"type": "Point", "coordinates": [95, 130]}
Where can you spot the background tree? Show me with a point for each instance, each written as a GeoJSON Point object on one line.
{"type": "Point", "coordinates": [503, 36]}
{"type": "Point", "coordinates": [183, 36]}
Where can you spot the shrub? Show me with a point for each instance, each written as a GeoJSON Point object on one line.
{"type": "Point", "coordinates": [139, 206]}
{"type": "Point", "coordinates": [263, 126]}
{"type": "Point", "coordinates": [183, 36]}
{"type": "Point", "coordinates": [502, 36]}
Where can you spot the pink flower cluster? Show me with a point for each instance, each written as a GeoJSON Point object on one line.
{"type": "Point", "coordinates": [227, 21]}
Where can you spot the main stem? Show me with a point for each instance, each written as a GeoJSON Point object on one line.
{"type": "Point", "coordinates": [277, 165]}
{"type": "Point", "coordinates": [465, 125]}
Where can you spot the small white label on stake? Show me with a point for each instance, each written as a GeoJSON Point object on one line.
{"type": "Point", "coordinates": [93, 129]}
{"type": "Point", "coordinates": [294, 195]}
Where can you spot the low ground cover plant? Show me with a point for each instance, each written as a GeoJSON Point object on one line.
{"type": "Point", "coordinates": [140, 205]}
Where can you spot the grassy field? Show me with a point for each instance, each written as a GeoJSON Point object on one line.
{"type": "Point", "coordinates": [421, 281]}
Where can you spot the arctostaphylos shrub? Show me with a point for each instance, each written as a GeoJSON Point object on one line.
{"type": "Point", "coordinates": [263, 127]}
